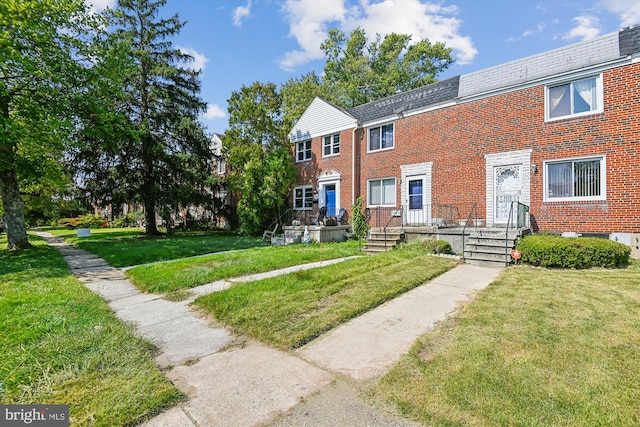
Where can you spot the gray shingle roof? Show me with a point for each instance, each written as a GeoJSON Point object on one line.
{"type": "Point", "coordinates": [629, 40]}
{"type": "Point", "coordinates": [421, 97]}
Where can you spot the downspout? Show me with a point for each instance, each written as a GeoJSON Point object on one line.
{"type": "Point", "coordinates": [353, 164]}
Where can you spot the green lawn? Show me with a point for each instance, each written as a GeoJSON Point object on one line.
{"type": "Point", "coordinates": [123, 247]}
{"type": "Point", "coordinates": [186, 273]}
{"type": "Point", "coordinates": [536, 348]}
{"type": "Point", "coordinates": [60, 343]}
{"type": "Point", "coordinates": [291, 310]}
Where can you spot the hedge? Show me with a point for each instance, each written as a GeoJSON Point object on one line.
{"type": "Point", "coordinates": [573, 252]}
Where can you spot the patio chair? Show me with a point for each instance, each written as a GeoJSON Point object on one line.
{"type": "Point", "coordinates": [270, 233]}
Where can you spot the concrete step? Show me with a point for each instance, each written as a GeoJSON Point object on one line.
{"type": "Point", "coordinates": [487, 256]}
{"type": "Point", "coordinates": [484, 263]}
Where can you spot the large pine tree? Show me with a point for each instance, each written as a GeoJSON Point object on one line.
{"type": "Point", "coordinates": [154, 151]}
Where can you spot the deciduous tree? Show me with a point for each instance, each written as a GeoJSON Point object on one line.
{"type": "Point", "coordinates": [43, 55]}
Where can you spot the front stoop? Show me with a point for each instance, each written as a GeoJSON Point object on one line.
{"type": "Point", "coordinates": [488, 247]}
{"type": "Point", "coordinates": [377, 241]}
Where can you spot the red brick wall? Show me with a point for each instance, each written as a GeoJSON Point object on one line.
{"type": "Point", "coordinates": [456, 139]}
{"type": "Point", "coordinates": [309, 171]}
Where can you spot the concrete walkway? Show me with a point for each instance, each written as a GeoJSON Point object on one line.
{"type": "Point", "coordinates": [231, 381]}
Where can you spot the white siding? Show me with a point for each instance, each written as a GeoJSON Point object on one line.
{"type": "Point", "coordinates": [321, 118]}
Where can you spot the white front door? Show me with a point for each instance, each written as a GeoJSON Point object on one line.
{"type": "Point", "coordinates": [508, 189]}
{"type": "Point", "coordinates": [417, 210]}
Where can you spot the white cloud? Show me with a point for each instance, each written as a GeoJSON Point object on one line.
{"type": "Point", "coordinates": [240, 13]}
{"type": "Point", "coordinates": [627, 10]}
{"type": "Point", "coordinates": [99, 5]}
{"type": "Point", "coordinates": [199, 60]}
{"type": "Point", "coordinates": [309, 25]}
{"type": "Point", "coordinates": [214, 112]}
{"type": "Point", "coordinates": [587, 28]}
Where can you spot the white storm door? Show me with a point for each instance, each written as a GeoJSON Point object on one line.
{"type": "Point", "coordinates": [508, 188]}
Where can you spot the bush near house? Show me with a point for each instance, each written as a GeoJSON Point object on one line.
{"type": "Point", "coordinates": [433, 246]}
{"type": "Point", "coordinates": [573, 252]}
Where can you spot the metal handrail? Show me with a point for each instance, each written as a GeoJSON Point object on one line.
{"type": "Point", "coordinates": [521, 221]}
{"type": "Point", "coordinates": [474, 208]}
{"type": "Point", "coordinates": [393, 215]}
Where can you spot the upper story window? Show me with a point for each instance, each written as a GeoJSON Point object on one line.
{"type": "Point", "coordinates": [303, 198]}
{"type": "Point", "coordinates": [382, 192]}
{"type": "Point", "coordinates": [575, 179]}
{"type": "Point", "coordinates": [381, 137]}
{"type": "Point", "coordinates": [222, 166]}
{"type": "Point", "coordinates": [331, 145]}
{"type": "Point", "coordinates": [303, 151]}
{"type": "Point", "coordinates": [576, 98]}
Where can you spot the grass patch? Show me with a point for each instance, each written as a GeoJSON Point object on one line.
{"type": "Point", "coordinates": [537, 347]}
{"type": "Point", "coordinates": [187, 273]}
{"type": "Point", "coordinates": [123, 247]}
{"type": "Point", "coordinates": [291, 310]}
{"type": "Point", "coordinates": [60, 343]}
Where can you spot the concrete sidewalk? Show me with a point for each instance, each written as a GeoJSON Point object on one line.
{"type": "Point", "coordinates": [232, 381]}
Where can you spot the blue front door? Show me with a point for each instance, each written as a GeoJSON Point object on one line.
{"type": "Point", "coordinates": [330, 199]}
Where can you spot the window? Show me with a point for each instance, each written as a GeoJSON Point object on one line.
{"type": "Point", "coordinates": [382, 192]}
{"type": "Point", "coordinates": [576, 179]}
{"type": "Point", "coordinates": [303, 151]}
{"type": "Point", "coordinates": [381, 137]}
{"type": "Point", "coordinates": [222, 166]}
{"type": "Point", "coordinates": [303, 198]}
{"type": "Point", "coordinates": [331, 145]}
{"type": "Point", "coordinates": [575, 98]}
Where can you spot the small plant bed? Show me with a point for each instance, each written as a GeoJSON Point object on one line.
{"type": "Point", "coordinates": [291, 310]}
{"type": "Point", "coordinates": [60, 343]}
{"type": "Point", "coordinates": [187, 273]}
{"type": "Point", "coordinates": [547, 250]}
{"type": "Point", "coordinates": [538, 347]}
{"type": "Point", "coordinates": [123, 247]}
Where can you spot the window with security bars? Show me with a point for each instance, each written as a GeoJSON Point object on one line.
{"type": "Point", "coordinates": [578, 179]}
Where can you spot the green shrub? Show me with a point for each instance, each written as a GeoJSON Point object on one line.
{"type": "Point", "coordinates": [432, 246]}
{"type": "Point", "coordinates": [573, 252]}
{"type": "Point", "coordinates": [89, 221]}
{"type": "Point", "coordinates": [129, 219]}
{"type": "Point", "coordinates": [70, 223]}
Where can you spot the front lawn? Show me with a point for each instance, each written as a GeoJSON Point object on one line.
{"type": "Point", "coordinates": [291, 310]}
{"type": "Point", "coordinates": [537, 347]}
{"type": "Point", "coordinates": [60, 343]}
{"type": "Point", "coordinates": [123, 247]}
{"type": "Point", "coordinates": [187, 273]}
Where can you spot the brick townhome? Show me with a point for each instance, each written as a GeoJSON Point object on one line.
{"type": "Point", "coordinates": [558, 132]}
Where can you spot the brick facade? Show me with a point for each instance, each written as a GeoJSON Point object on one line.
{"type": "Point", "coordinates": [462, 138]}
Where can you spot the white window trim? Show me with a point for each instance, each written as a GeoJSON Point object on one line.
{"type": "Point", "coordinates": [222, 167]}
{"type": "Point", "coordinates": [395, 195]}
{"type": "Point", "coordinates": [603, 180]}
{"type": "Point", "coordinates": [303, 143]}
{"type": "Point", "coordinates": [599, 94]}
{"type": "Point", "coordinates": [332, 136]}
{"type": "Point", "coordinates": [369, 150]}
{"type": "Point", "coordinates": [309, 188]}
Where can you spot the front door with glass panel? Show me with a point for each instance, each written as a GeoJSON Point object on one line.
{"type": "Point", "coordinates": [330, 199]}
{"type": "Point", "coordinates": [508, 187]}
{"type": "Point", "coordinates": [417, 211]}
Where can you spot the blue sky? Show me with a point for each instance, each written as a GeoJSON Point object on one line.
{"type": "Point", "coordinates": [238, 42]}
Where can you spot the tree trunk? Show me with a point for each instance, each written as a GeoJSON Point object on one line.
{"type": "Point", "coordinates": [13, 210]}
{"type": "Point", "coordinates": [151, 227]}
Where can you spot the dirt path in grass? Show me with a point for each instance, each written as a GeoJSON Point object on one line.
{"type": "Point", "coordinates": [231, 381]}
